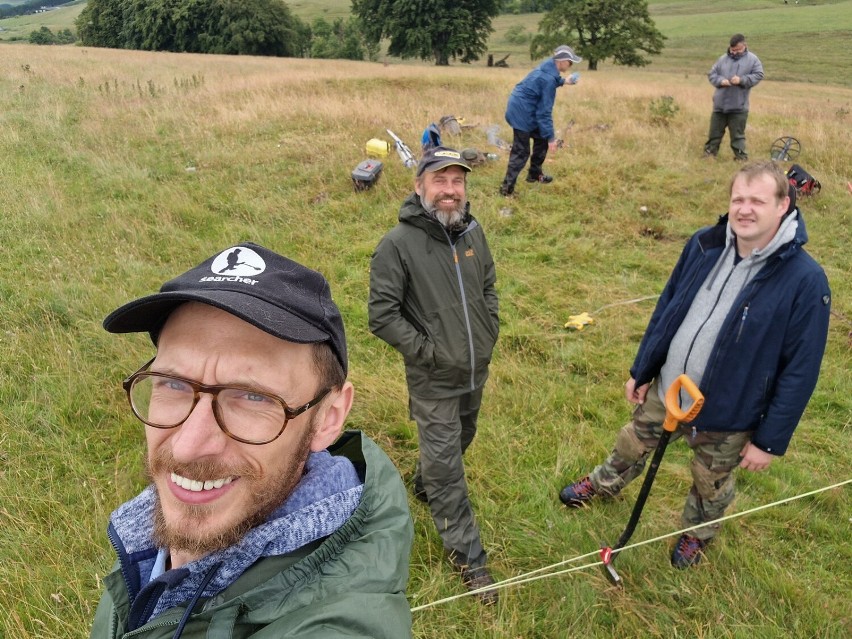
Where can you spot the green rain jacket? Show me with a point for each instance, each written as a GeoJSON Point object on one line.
{"type": "Point", "coordinates": [432, 297]}
{"type": "Point", "coordinates": [349, 584]}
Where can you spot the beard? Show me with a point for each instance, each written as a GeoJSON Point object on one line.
{"type": "Point", "coordinates": [451, 219]}
{"type": "Point", "coordinates": [267, 492]}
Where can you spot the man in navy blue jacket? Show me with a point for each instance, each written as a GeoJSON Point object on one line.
{"type": "Point", "coordinates": [745, 314]}
{"type": "Point", "coordinates": [530, 114]}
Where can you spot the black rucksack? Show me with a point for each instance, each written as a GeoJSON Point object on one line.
{"type": "Point", "coordinates": [802, 181]}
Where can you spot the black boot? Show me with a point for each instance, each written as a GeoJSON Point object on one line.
{"type": "Point", "coordinates": [543, 179]}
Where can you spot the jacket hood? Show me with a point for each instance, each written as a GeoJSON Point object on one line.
{"type": "Point", "coordinates": [717, 235]}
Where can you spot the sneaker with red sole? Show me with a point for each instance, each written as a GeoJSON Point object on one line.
{"type": "Point", "coordinates": [688, 551]}
{"type": "Point", "coordinates": [578, 494]}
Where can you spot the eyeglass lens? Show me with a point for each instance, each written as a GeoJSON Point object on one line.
{"type": "Point", "coordinates": [165, 402]}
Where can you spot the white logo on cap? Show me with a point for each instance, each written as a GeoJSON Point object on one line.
{"type": "Point", "coordinates": [447, 154]}
{"type": "Point", "coordinates": [238, 261]}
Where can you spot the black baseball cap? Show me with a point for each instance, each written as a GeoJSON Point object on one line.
{"type": "Point", "coordinates": [440, 157]}
{"type": "Point", "coordinates": [269, 291]}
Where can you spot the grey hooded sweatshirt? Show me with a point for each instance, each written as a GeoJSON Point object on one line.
{"type": "Point", "coordinates": [693, 343]}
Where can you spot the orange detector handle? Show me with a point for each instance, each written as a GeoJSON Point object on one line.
{"type": "Point", "coordinates": [674, 414]}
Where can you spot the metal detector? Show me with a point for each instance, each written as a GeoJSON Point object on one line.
{"type": "Point", "coordinates": [785, 149]}
{"type": "Point", "coordinates": [674, 416]}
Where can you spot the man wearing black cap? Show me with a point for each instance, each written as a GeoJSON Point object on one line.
{"type": "Point", "coordinates": [260, 520]}
{"type": "Point", "coordinates": [432, 298]}
{"type": "Point", "coordinates": [530, 114]}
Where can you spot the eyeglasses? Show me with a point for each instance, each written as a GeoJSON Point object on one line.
{"type": "Point", "coordinates": [245, 414]}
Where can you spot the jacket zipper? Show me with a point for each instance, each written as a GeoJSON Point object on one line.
{"type": "Point", "coordinates": [742, 322]}
{"type": "Point", "coordinates": [457, 267]}
{"type": "Point", "coordinates": [111, 534]}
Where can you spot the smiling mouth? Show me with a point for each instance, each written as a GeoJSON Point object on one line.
{"type": "Point", "coordinates": [196, 486]}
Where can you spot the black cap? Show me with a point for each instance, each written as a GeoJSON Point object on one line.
{"type": "Point", "coordinates": [269, 291]}
{"type": "Point", "coordinates": [440, 157]}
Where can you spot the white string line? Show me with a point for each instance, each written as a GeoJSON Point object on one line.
{"type": "Point", "coordinates": [560, 335]}
{"type": "Point", "coordinates": [623, 302]}
{"type": "Point", "coordinates": [527, 578]}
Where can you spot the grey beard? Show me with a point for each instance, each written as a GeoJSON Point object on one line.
{"type": "Point", "coordinates": [447, 219]}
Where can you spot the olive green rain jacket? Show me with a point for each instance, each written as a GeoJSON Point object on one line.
{"type": "Point", "coordinates": [350, 583]}
{"type": "Point", "coordinates": [432, 298]}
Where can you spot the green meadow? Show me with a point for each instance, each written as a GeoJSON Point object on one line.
{"type": "Point", "coordinates": [121, 169]}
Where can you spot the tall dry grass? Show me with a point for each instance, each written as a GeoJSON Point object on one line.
{"type": "Point", "coordinates": [121, 169]}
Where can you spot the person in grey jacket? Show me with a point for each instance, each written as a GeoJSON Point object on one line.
{"type": "Point", "coordinates": [260, 519]}
{"type": "Point", "coordinates": [745, 315]}
{"type": "Point", "coordinates": [733, 75]}
{"type": "Point", "coordinates": [433, 298]}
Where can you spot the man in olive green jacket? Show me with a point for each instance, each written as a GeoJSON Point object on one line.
{"type": "Point", "coordinates": [432, 297]}
{"type": "Point", "coordinates": [261, 520]}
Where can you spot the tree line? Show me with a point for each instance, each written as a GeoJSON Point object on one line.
{"type": "Point", "coordinates": [31, 6]}
{"type": "Point", "coordinates": [436, 30]}
{"type": "Point", "coordinates": [236, 27]}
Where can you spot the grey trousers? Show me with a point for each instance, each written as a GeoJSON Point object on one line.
{"type": "Point", "coordinates": [445, 429]}
{"type": "Point", "coordinates": [715, 456]}
{"type": "Point", "coordinates": [736, 125]}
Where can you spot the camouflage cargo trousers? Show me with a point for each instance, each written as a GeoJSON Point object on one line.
{"type": "Point", "coordinates": [715, 456]}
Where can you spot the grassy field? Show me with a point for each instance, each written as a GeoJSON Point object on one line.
{"type": "Point", "coordinates": [799, 43]}
{"type": "Point", "coordinates": [119, 169]}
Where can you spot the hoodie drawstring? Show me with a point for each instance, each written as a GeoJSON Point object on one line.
{"type": "Point", "coordinates": [188, 612]}
{"type": "Point", "coordinates": [719, 263]}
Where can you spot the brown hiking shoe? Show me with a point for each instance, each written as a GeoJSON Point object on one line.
{"type": "Point", "coordinates": [476, 578]}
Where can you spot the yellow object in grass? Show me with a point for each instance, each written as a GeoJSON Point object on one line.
{"type": "Point", "coordinates": [578, 322]}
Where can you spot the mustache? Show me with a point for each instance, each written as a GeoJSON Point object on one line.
{"type": "Point", "coordinates": [162, 460]}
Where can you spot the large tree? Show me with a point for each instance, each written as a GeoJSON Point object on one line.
{"type": "Point", "coordinates": [600, 29]}
{"type": "Point", "coordinates": [101, 24]}
{"type": "Point", "coordinates": [248, 27]}
{"type": "Point", "coordinates": [429, 29]}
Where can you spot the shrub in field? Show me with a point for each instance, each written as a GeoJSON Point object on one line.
{"type": "Point", "coordinates": [46, 36]}
{"type": "Point", "coordinates": [663, 110]}
{"type": "Point", "coordinates": [518, 35]}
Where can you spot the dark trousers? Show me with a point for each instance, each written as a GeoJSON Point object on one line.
{"type": "Point", "coordinates": [736, 125]}
{"type": "Point", "coordinates": [445, 429]}
{"type": "Point", "coordinates": [519, 155]}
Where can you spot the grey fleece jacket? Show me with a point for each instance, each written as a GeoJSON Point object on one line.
{"type": "Point", "coordinates": [734, 98]}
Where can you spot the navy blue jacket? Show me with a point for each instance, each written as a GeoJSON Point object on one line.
{"type": "Point", "coordinates": [530, 106]}
{"type": "Point", "coordinates": [765, 363]}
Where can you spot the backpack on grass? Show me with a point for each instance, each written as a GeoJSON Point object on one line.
{"type": "Point", "coordinates": [802, 181]}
